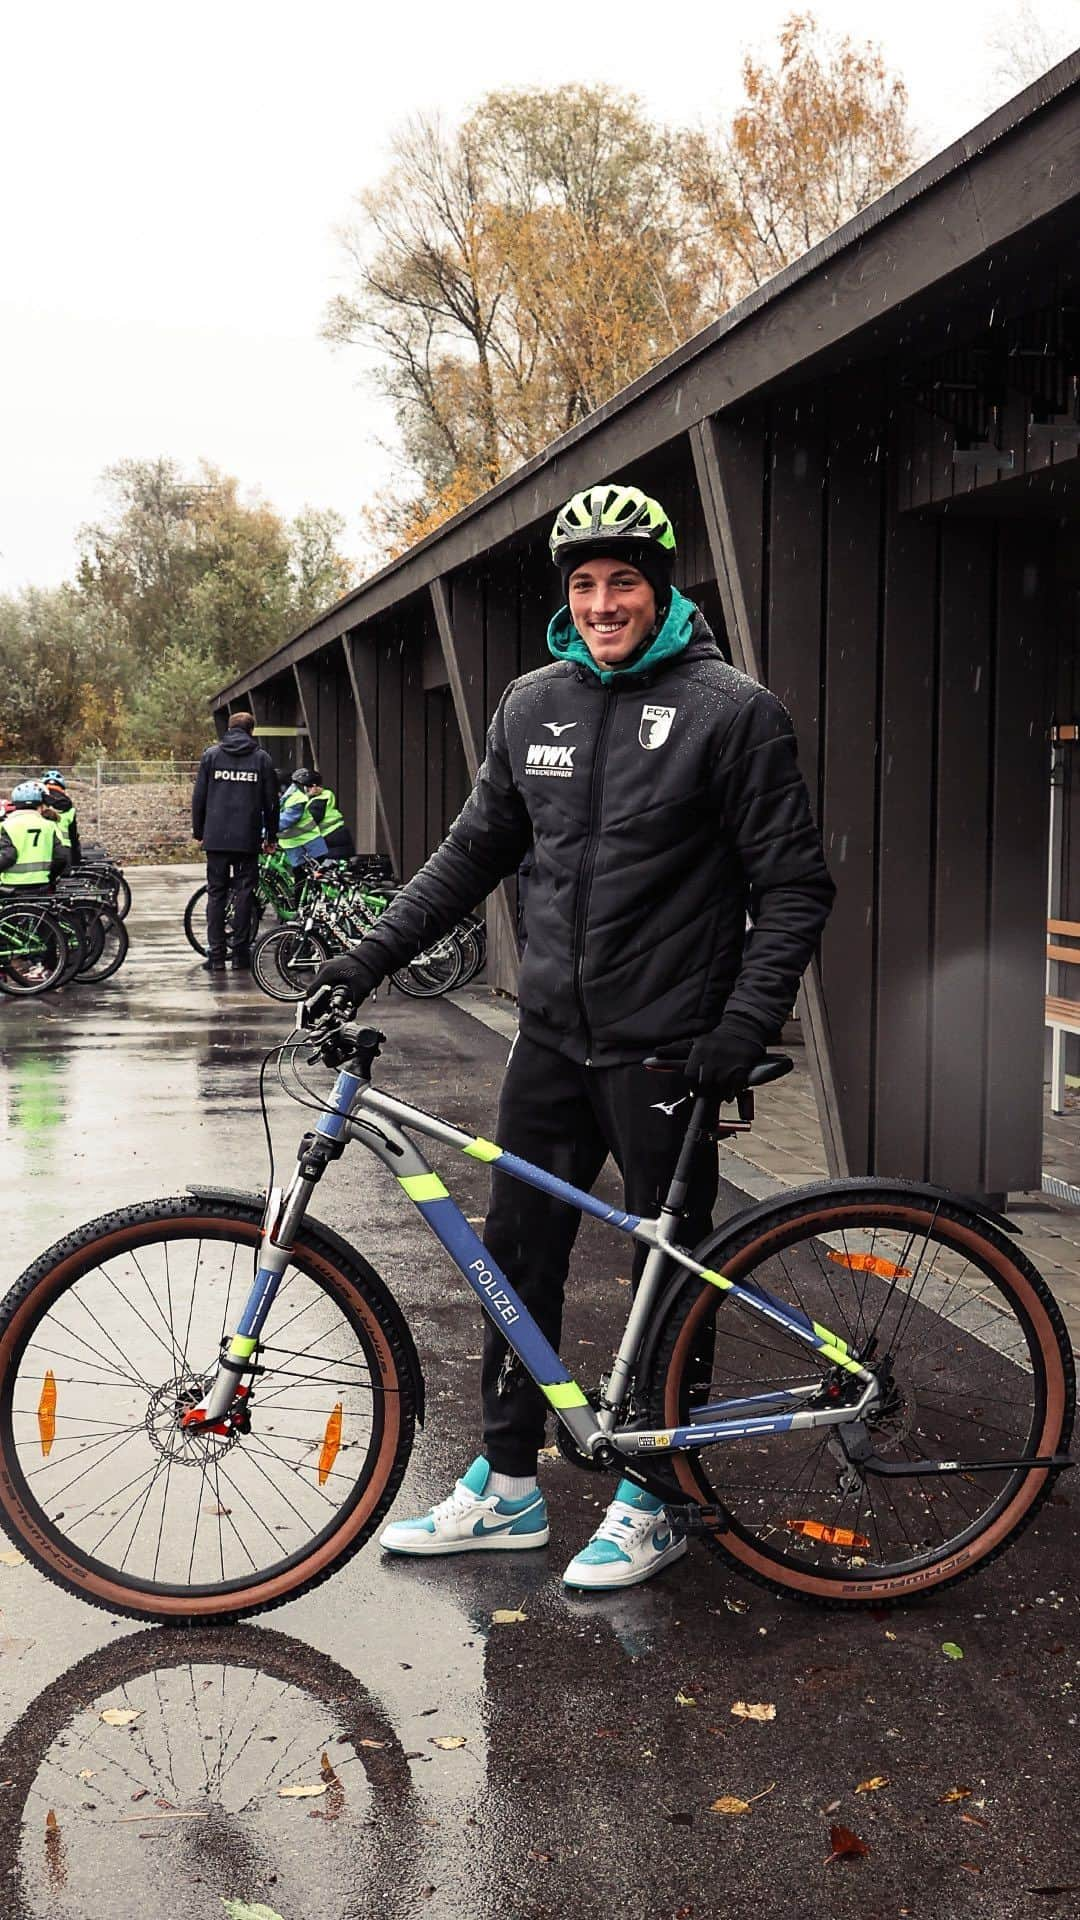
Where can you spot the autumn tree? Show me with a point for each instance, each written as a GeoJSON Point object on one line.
{"type": "Point", "coordinates": [196, 582]}
{"type": "Point", "coordinates": [507, 277]}
{"type": "Point", "coordinates": [62, 673]}
{"type": "Point", "coordinates": [819, 135]}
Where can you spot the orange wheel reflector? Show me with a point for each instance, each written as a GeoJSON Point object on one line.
{"type": "Point", "coordinates": [46, 1412]}
{"type": "Point", "coordinates": [829, 1536]}
{"type": "Point", "coordinates": [331, 1443]}
{"type": "Point", "coordinates": [869, 1263]}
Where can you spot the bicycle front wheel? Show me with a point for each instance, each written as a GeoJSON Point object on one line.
{"type": "Point", "coordinates": [114, 1334]}
{"type": "Point", "coordinates": [107, 950]}
{"type": "Point", "coordinates": [34, 952]}
{"type": "Point", "coordinates": [973, 1366]}
{"type": "Point", "coordinates": [286, 960]}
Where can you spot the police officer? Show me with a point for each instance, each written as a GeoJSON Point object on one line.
{"type": "Point", "coordinates": [324, 810]}
{"type": "Point", "coordinates": [234, 812]}
{"type": "Point", "coordinates": [32, 853]}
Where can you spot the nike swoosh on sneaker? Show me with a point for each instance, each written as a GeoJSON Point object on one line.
{"type": "Point", "coordinates": [498, 1522]}
{"type": "Point", "coordinates": [661, 1541]}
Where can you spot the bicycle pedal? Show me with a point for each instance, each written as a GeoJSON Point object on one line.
{"type": "Point", "coordinates": [696, 1519]}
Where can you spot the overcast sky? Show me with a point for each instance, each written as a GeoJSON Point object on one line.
{"type": "Point", "coordinates": [173, 178]}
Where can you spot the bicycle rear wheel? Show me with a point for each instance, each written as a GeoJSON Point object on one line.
{"type": "Point", "coordinates": [974, 1367]}
{"type": "Point", "coordinates": [286, 960]}
{"type": "Point", "coordinates": [195, 922]}
{"type": "Point", "coordinates": [431, 973]}
{"type": "Point", "coordinates": [34, 952]}
{"type": "Point", "coordinates": [107, 948]}
{"type": "Point", "coordinates": [114, 1333]}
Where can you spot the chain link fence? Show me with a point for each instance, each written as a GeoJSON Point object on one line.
{"type": "Point", "coordinates": [140, 810]}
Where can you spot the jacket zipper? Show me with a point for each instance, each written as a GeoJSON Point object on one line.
{"type": "Point", "coordinates": [588, 863]}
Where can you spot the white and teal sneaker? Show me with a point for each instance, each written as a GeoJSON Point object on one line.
{"type": "Point", "coordinates": [470, 1520]}
{"type": "Point", "coordinates": [633, 1541]}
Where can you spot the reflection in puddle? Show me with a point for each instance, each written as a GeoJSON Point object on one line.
{"type": "Point", "coordinates": [234, 1764]}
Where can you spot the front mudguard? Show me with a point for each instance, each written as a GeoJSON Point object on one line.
{"type": "Point", "coordinates": [351, 1256]}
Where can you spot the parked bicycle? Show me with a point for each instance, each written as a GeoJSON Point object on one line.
{"type": "Point", "coordinates": [71, 936]}
{"type": "Point", "coordinates": [342, 900]}
{"type": "Point", "coordinates": [856, 1392]}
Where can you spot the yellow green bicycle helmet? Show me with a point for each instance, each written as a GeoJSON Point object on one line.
{"type": "Point", "coordinates": [615, 520]}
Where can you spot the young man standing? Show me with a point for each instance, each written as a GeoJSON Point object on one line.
{"type": "Point", "coordinates": [659, 792]}
{"type": "Point", "coordinates": [234, 812]}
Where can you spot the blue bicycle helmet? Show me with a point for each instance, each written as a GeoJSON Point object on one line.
{"type": "Point", "coordinates": [28, 793]}
{"type": "Point", "coordinates": [54, 778]}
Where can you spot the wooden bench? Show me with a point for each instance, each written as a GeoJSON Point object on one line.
{"type": "Point", "coordinates": [1062, 1016]}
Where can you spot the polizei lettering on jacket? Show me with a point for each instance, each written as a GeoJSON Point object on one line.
{"type": "Point", "coordinates": [229, 773]}
{"type": "Point", "coordinates": [541, 757]}
{"type": "Point", "coordinates": [498, 1300]}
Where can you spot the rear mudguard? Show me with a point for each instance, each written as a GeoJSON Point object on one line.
{"type": "Point", "coordinates": [711, 1251]}
{"type": "Point", "coordinates": [255, 1202]}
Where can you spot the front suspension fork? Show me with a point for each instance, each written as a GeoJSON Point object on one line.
{"type": "Point", "coordinates": [282, 1219]}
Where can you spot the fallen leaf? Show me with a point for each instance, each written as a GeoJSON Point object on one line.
{"type": "Point", "coordinates": [686, 1700]}
{"type": "Point", "coordinates": [141, 1794]}
{"type": "Point", "coordinates": [371, 1743]}
{"type": "Point", "coordinates": [873, 1786]}
{"type": "Point", "coordinates": [507, 1616]}
{"type": "Point", "coordinates": [973, 1820]}
{"type": "Point", "coordinates": [120, 1716]}
{"type": "Point", "coordinates": [754, 1710]}
{"type": "Point", "coordinates": [951, 1651]}
{"type": "Point", "coordinates": [217, 1510]}
{"type": "Point", "coordinates": [306, 1791]}
{"type": "Point", "coordinates": [969, 1867]}
{"type": "Point", "coordinates": [448, 1740]}
{"type": "Point", "coordinates": [730, 1803]}
{"type": "Point", "coordinates": [954, 1794]}
{"type": "Point", "coordinates": [535, 1854]}
{"type": "Point", "coordinates": [888, 1635]}
{"type": "Point", "coordinates": [845, 1844]}
{"type": "Point", "coordinates": [737, 1606]}
{"type": "Point", "coordinates": [243, 1910]}
{"type": "Point", "coordinates": [546, 1453]}
{"type": "Point", "coordinates": [86, 1773]}
{"type": "Point", "coordinates": [12, 1559]}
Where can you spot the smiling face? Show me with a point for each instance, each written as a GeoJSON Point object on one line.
{"type": "Point", "coordinates": [613, 608]}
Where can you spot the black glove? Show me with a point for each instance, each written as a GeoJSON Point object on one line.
{"type": "Point", "coordinates": [720, 1062]}
{"type": "Point", "coordinates": [349, 973]}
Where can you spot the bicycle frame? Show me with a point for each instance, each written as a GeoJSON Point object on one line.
{"type": "Point", "coordinates": [358, 1112]}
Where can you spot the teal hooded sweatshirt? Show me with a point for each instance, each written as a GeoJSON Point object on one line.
{"type": "Point", "coordinates": [565, 642]}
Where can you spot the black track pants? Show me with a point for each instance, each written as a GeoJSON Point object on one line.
{"type": "Point", "coordinates": [566, 1119]}
{"type": "Point", "coordinates": [237, 873]}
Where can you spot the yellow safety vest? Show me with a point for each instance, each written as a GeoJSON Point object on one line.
{"type": "Point", "coordinates": [303, 829]}
{"type": "Point", "coordinates": [34, 839]}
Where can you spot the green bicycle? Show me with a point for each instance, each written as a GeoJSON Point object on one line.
{"type": "Point", "coordinates": [855, 1393]}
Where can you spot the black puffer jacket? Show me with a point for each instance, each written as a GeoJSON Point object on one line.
{"type": "Point", "coordinates": [234, 803]}
{"type": "Point", "coordinates": [660, 811]}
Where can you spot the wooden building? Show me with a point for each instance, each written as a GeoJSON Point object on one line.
{"type": "Point", "coordinates": [873, 467]}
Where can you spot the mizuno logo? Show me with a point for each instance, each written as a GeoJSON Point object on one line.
{"type": "Point", "coordinates": [559, 726]}
{"type": "Point", "coordinates": [668, 1106]}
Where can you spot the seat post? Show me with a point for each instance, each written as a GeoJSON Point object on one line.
{"type": "Point", "coordinates": [680, 1179]}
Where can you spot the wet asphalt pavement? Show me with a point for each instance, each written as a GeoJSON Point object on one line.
{"type": "Point", "coordinates": [596, 1733]}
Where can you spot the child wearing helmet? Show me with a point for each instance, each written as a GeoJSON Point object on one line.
{"type": "Point", "coordinates": [32, 853]}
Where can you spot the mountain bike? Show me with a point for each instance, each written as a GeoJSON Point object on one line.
{"type": "Point", "coordinates": [857, 1392]}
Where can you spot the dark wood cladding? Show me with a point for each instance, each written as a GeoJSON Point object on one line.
{"type": "Point", "coordinates": [913, 653]}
